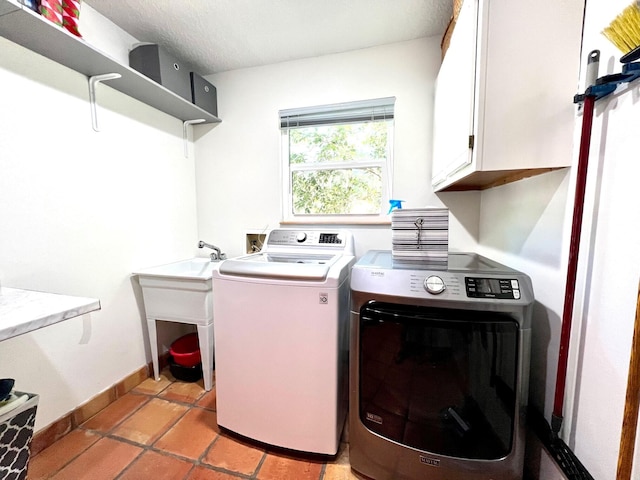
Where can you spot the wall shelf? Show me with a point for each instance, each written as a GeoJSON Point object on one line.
{"type": "Point", "coordinates": [27, 28]}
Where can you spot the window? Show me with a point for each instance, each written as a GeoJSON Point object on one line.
{"type": "Point", "coordinates": [337, 159]}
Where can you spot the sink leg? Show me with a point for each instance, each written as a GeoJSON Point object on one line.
{"type": "Point", "coordinates": [153, 340]}
{"type": "Point", "coordinates": [205, 340]}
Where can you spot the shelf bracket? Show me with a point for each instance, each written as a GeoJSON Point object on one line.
{"type": "Point", "coordinates": [185, 136]}
{"type": "Point", "coordinates": [93, 81]}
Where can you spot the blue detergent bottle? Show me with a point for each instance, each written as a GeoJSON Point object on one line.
{"type": "Point", "coordinates": [393, 204]}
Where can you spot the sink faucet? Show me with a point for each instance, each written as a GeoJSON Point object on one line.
{"type": "Point", "coordinates": [216, 255]}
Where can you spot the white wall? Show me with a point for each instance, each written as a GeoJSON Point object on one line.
{"type": "Point", "coordinates": [79, 211]}
{"type": "Point", "coordinates": [522, 225]}
{"type": "Point", "coordinates": [611, 264]}
{"type": "Point", "coordinates": [527, 225]}
{"type": "Point", "coordinates": [238, 166]}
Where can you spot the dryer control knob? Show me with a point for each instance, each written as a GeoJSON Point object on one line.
{"type": "Point", "coordinates": [434, 284]}
{"type": "Point", "coordinates": [301, 237]}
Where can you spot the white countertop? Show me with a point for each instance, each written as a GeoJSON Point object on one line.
{"type": "Point", "coordinates": [23, 311]}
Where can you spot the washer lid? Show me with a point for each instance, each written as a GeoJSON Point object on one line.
{"type": "Point", "coordinates": [290, 266]}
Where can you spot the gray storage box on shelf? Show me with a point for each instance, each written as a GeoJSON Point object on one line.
{"type": "Point", "coordinates": [16, 432]}
{"type": "Point", "coordinates": [203, 94]}
{"type": "Point", "coordinates": [154, 62]}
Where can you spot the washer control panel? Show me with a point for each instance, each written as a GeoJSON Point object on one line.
{"type": "Point", "coordinates": [503, 288]}
{"type": "Point", "coordinates": [294, 240]}
{"type": "Point", "coordinates": [297, 237]}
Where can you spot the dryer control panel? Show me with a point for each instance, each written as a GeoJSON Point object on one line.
{"type": "Point", "coordinates": [504, 288]}
{"type": "Point", "coordinates": [468, 279]}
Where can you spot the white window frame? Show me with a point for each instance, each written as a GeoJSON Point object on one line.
{"type": "Point", "coordinates": [381, 109]}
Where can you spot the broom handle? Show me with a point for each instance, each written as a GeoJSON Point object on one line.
{"type": "Point", "coordinates": [631, 404]}
{"type": "Point", "coordinates": [572, 268]}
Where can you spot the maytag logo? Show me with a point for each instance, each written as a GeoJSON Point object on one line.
{"type": "Point", "coordinates": [377, 273]}
{"type": "Point", "coordinates": [434, 462]}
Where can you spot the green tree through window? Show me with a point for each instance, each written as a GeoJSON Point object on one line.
{"type": "Point", "coordinates": [337, 159]}
{"type": "Point", "coordinates": [337, 169]}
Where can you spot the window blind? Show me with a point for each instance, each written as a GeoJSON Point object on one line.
{"type": "Point", "coordinates": [349, 112]}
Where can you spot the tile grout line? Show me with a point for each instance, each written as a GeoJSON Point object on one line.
{"type": "Point", "coordinates": [151, 448]}
{"type": "Point", "coordinates": [145, 448]}
{"type": "Point", "coordinates": [198, 462]}
{"type": "Point", "coordinates": [128, 466]}
{"type": "Point", "coordinates": [69, 461]}
{"type": "Point", "coordinates": [259, 466]}
{"type": "Point", "coordinates": [223, 470]}
{"type": "Point", "coordinates": [322, 470]}
{"type": "Point", "coordinates": [108, 434]}
{"type": "Point", "coordinates": [194, 463]}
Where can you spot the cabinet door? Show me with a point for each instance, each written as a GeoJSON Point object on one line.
{"type": "Point", "coordinates": [455, 98]}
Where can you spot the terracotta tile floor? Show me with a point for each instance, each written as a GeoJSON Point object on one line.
{"type": "Point", "coordinates": [168, 430]}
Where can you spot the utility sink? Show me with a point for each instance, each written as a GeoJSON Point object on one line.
{"type": "Point", "coordinates": [181, 292]}
{"type": "Point", "coordinates": [196, 268]}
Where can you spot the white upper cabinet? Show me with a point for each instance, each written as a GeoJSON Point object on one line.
{"type": "Point", "coordinates": [504, 95]}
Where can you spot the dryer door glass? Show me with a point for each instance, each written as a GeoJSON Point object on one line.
{"type": "Point", "coordinates": [439, 380]}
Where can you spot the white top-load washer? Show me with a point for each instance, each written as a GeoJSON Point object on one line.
{"type": "Point", "coordinates": [281, 328]}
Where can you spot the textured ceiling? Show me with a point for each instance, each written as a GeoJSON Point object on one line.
{"type": "Point", "coordinates": [219, 35]}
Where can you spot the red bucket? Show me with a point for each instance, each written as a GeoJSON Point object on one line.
{"type": "Point", "coordinates": [186, 350]}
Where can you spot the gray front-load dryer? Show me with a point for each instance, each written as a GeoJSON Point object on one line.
{"type": "Point", "coordinates": [439, 369]}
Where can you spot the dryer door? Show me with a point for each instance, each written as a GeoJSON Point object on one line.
{"type": "Point", "coordinates": [439, 380]}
